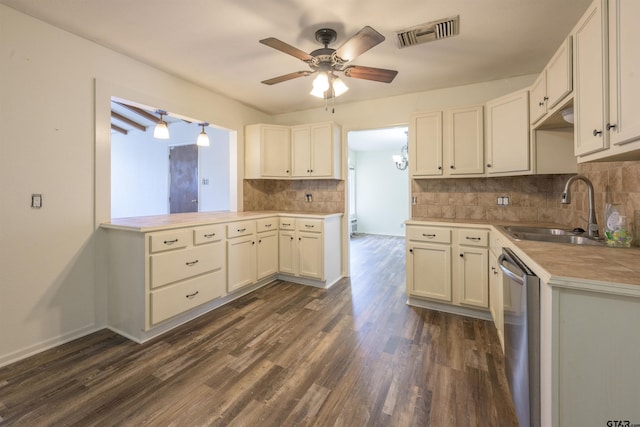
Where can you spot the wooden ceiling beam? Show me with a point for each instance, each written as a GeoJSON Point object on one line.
{"type": "Point", "coordinates": [119, 129]}
{"type": "Point", "coordinates": [128, 121]}
{"type": "Point", "coordinates": [140, 112]}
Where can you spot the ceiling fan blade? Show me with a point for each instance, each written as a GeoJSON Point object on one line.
{"type": "Point", "coordinates": [369, 73]}
{"type": "Point", "coordinates": [359, 43]}
{"type": "Point", "coordinates": [286, 48]}
{"type": "Point", "coordinates": [286, 77]}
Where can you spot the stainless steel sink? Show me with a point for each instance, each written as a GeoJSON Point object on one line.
{"type": "Point", "coordinates": [546, 234]}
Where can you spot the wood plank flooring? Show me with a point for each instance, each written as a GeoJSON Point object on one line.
{"type": "Point", "coordinates": [285, 355]}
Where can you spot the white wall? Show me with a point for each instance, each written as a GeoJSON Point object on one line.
{"type": "Point", "coordinates": [140, 170]}
{"type": "Point", "coordinates": [55, 140]}
{"type": "Point", "coordinates": [382, 193]}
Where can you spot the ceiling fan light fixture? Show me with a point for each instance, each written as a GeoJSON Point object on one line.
{"type": "Point", "coordinates": [161, 131]}
{"type": "Point", "coordinates": [321, 82]}
{"type": "Point", "coordinates": [338, 86]}
{"type": "Point", "coordinates": [203, 138]}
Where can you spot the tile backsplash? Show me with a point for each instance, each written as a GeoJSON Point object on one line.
{"type": "Point", "coordinates": [327, 196]}
{"type": "Point", "coordinates": [531, 198]}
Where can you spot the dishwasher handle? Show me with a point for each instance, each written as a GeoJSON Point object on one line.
{"type": "Point", "coordinates": [513, 276]}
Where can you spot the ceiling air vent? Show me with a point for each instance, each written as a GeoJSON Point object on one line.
{"type": "Point", "coordinates": [430, 31]}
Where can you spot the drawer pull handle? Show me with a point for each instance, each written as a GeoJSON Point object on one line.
{"type": "Point", "coordinates": [208, 236]}
{"type": "Point", "coordinates": [191, 263]}
{"type": "Point", "coordinates": [170, 242]}
{"type": "Point", "coordinates": [285, 224]}
{"type": "Point", "coordinates": [190, 296]}
{"type": "Point", "coordinates": [240, 230]}
{"type": "Point", "coordinates": [268, 225]}
{"type": "Point", "coordinates": [473, 238]}
{"type": "Point", "coordinates": [430, 236]}
{"type": "Point", "coordinates": [309, 226]}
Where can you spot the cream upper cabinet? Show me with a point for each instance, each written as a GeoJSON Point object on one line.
{"type": "Point", "coordinates": [316, 151]}
{"type": "Point", "coordinates": [507, 144]}
{"type": "Point", "coordinates": [447, 143]}
{"type": "Point", "coordinates": [624, 74]}
{"type": "Point", "coordinates": [607, 82]}
{"type": "Point", "coordinates": [554, 83]}
{"type": "Point", "coordinates": [591, 103]}
{"type": "Point", "coordinates": [465, 139]}
{"type": "Point", "coordinates": [425, 144]}
{"type": "Point", "coordinates": [538, 102]}
{"type": "Point", "coordinates": [267, 151]}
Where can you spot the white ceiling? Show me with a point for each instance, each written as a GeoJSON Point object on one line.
{"type": "Point", "coordinates": [215, 43]}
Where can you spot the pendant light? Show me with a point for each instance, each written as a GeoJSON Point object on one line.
{"type": "Point", "coordinates": [203, 138]}
{"type": "Point", "coordinates": [161, 131]}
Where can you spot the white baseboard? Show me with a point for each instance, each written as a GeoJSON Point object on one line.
{"type": "Point", "coordinates": [23, 353]}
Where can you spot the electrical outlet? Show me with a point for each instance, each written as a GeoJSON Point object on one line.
{"type": "Point", "coordinates": [503, 201]}
{"type": "Point", "coordinates": [308, 197]}
{"type": "Point", "coordinates": [205, 181]}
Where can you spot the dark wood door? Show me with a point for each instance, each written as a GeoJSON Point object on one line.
{"type": "Point", "coordinates": [183, 173]}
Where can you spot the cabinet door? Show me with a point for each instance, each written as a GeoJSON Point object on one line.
{"type": "Point", "coordinates": [322, 150]}
{"type": "Point", "coordinates": [425, 144]}
{"type": "Point", "coordinates": [495, 296]}
{"type": "Point", "coordinates": [275, 146]}
{"type": "Point", "coordinates": [288, 250]}
{"type": "Point", "coordinates": [559, 74]}
{"type": "Point", "coordinates": [466, 141]}
{"type": "Point", "coordinates": [624, 71]}
{"type": "Point", "coordinates": [473, 280]}
{"type": "Point", "coordinates": [508, 148]}
{"type": "Point", "coordinates": [241, 262]}
{"type": "Point", "coordinates": [429, 271]}
{"type": "Point", "coordinates": [310, 247]}
{"type": "Point", "coordinates": [301, 151]}
{"type": "Point", "coordinates": [267, 254]}
{"type": "Point", "coordinates": [537, 104]}
{"type": "Point", "coordinates": [590, 91]}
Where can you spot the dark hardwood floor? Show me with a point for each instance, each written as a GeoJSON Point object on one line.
{"type": "Point", "coordinates": [284, 355]}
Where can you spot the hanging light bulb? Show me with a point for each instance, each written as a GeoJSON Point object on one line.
{"type": "Point", "coordinates": [203, 138]}
{"type": "Point", "coordinates": [161, 131]}
{"type": "Point", "coordinates": [320, 85]}
{"type": "Point", "coordinates": [338, 86]}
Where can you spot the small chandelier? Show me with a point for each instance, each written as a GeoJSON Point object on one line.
{"type": "Point", "coordinates": [402, 160]}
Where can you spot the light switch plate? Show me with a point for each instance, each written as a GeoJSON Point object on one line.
{"type": "Point", "coordinates": [36, 201]}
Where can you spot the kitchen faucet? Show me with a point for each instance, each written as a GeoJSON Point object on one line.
{"type": "Point", "coordinates": [566, 199]}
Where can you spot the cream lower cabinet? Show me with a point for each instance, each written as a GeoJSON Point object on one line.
{"type": "Point", "coordinates": [448, 265]}
{"type": "Point", "coordinates": [241, 255]}
{"type": "Point", "coordinates": [310, 249]}
{"type": "Point", "coordinates": [157, 276]}
{"type": "Point", "coordinates": [496, 286]}
{"type": "Point", "coordinates": [266, 248]}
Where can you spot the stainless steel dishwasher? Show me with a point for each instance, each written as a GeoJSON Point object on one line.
{"type": "Point", "coordinates": [521, 294]}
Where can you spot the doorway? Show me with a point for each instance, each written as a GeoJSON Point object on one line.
{"type": "Point", "coordinates": [183, 178]}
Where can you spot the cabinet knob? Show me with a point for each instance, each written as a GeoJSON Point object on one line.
{"type": "Point", "coordinates": [253, 243]}
{"type": "Point", "coordinates": [260, 241]}
{"type": "Point", "coordinates": [546, 98]}
{"type": "Point", "coordinates": [287, 171]}
{"type": "Point", "coordinates": [439, 168]}
{"type": "Point", "coordinates": [540, 104]}
{"type": "Point", "coordinates": [597, 132]}
{"type": "Point", "coordinates": [411, 250]}
{"type": "Point", "coordinates": [291, 237]}
{"type": "Point", "coordinates": [461, 255]}
{"type": "Point", "coordinates": [610, 126]}
{"type": "Point", "coordinates": [452, 167]}
{"type": "Point", "coordinates": [488, 165]}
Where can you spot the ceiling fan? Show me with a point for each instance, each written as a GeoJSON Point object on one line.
{"type": "Point", "coordinates": [327, 61]}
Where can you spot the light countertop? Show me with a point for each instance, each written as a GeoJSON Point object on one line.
{"type": "Point", "coordinates": [166, 222]}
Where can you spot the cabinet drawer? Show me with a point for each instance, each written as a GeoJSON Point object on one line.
{"type": "Point", "coordinates": [314, 225]}
{"type": "Point", "coordinates": [287, 224]}
{"type": "Point", "coordinates": [473, 237]}
{"type": "Point", "coordinates": [174, 239]}
{"type": "Point", "coordinates": [208, 234]}
{"type": "Point", "coordinates": [180, 297]}
{"type": "Point", "coordinates": [267, 224]}
{"type": "Point", "coordinates": [177, 265]}
{"type": "Point", "coordinates": [242, 228]}
{"type": "Point", "coordinates": [429, 234]}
